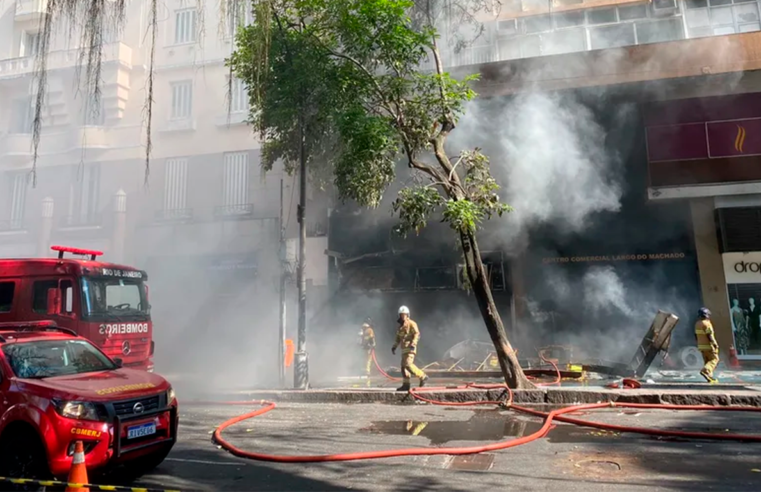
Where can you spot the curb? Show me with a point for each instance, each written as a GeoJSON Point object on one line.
{"type": "Point", "coordinates": [546, 396]}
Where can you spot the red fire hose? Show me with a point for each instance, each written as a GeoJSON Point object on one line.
{"type": "Point", "coordinates": [548, 416]}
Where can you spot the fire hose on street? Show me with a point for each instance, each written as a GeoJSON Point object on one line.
{"type": "Point", "coordinates": [561, 415]}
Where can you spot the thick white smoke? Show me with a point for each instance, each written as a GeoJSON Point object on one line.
{"type": "Point", "coordinates": [604, 292]}
{"type": "Point", "coordinates": [548, 153]}
{"type": "Point", "coordinates": [555, 166]}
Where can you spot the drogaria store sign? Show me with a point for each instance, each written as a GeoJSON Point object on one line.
{"type": "Point", "coordinates": [742, 268]}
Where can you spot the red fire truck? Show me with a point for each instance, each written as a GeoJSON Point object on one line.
{"type": "Point", "coordinates": [103, 302]}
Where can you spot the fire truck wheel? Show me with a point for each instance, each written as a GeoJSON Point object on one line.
{"type": "Point", "coordinates": [22, 456]}
{"type": "Point", "coordinates": [148, 463]}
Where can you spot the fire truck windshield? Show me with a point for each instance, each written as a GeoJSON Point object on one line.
{"type": "Point", "coordinates": [48, 358]}
{"type": "Point", "coordinates": [114, 298]}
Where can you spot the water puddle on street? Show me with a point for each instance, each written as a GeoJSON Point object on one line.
{"type": "Point", "coordinates": [482, 426]}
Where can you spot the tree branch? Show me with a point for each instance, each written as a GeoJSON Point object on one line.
{"type": "Point", "coordinates": [455, 166]}
{"type": "Point", "coordinates": [356, 63]}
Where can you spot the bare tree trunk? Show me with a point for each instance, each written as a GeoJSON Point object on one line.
{"type": "Point", "coordinates": [508, 362]}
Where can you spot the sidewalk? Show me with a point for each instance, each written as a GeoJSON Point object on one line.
{"type": "Point", "coordinates": [684, 394]}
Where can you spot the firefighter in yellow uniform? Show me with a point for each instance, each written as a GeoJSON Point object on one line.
{"type": "Point", "coordinates": [368, 344]}
{"type": "Point", "coordinates": [407, 337]}
{"type": "Point", "coordinates": [707, 344]}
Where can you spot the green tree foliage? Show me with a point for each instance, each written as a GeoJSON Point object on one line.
{"type": "Point", "coordinates": [346, 76]}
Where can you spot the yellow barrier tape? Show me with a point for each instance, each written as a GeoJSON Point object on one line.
{"type": "Point", "coordinates": [54, 483]}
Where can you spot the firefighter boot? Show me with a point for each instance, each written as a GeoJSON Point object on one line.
{"type": "Point", "coordinates": [404, 387]}
{"type": "Point", "coordinates": [708, 377]}
{"type": "Point", "coordinates": [423, 381]}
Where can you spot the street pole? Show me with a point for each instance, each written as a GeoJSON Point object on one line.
{"type": "Point", "coordinates": [281, 337]}
{"type": "Point", "coordinates": [301, 369]}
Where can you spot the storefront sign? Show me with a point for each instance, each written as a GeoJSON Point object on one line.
{"type": "Point", "coordinates": [742, 268]}
{"type": "Point", "coordinates": [615, 258]}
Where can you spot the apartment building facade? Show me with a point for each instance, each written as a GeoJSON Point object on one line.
{"type": "Point", "coordinates": [200, 216]}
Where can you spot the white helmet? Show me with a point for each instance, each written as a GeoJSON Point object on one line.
{"type": "Point", "coordinates": [404, 310]}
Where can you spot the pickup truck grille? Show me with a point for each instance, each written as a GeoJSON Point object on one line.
{"type": "Point", "coordinates": [124, 408]}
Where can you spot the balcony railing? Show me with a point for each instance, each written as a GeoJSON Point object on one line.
{"type": "Point", "coordinates": [234, 211]}
{"type": "Point", "coordinates": [56, 60]}
{"type": "Point", "coordinates": [174, 215]}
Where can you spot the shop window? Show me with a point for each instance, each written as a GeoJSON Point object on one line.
{"type": "Point", "coordinates": [7, 290]}
{"type": "Point", "coordinates": [745, 317]}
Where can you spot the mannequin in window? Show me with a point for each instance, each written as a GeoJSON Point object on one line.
{"type": "Point", "coordinates": [739, 327]}
{"type": "Point", "coordinates": [754, 325]}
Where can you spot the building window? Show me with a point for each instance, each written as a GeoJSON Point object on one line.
{"type": "Point", "coordinates": [569, 19]}
{"type": "Point", "coordinates": [175, 186]}
{"type": "Point", "coordinates": [30, 44]}
{"type": "Point", "coordinates": [6, 296]}
{"type": "Point", "coordinates": [632, 12]}
{"type": "Point", "coordinates": [238, 96]}
{"type": "Point", "coordinates": [602, 16]}
{"type": "Point", "coordinates": [84, 196]}
{"type": "Point", "coordinates": [185, 26]}
{"type": "Point", "coordinates": [182, 99]}
{"type": "Point", "coordinates": [564, 41]}
{"type": "Point", "coordinates": [18, 201]}
{"type": "Point", "coordinates": [612, 36]}
{"type": "Point", "coordinates": [660, 31]}
{"type": "Point", "coordinates": [537, 23]}
{"type": "Point", "coordinates": [719, 17]}
{"type": "Point", "coordinates": [235, 182]}
{"type": "Point", "coordinates": [22, 116]}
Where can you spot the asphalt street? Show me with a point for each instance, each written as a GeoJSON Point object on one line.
{"type": "Point", "coordinates": [569, 459]}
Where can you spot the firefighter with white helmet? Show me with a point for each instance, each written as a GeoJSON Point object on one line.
{"type": "Point", "coordinates": [407, 337]}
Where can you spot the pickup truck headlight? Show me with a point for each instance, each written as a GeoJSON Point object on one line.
{"type": "Point", "coordinates": [80, 410]}
{"type": "Point", "coordinates": [170, 396]}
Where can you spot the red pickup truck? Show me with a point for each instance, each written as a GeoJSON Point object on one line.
{"type": "Point", "coordinates": [57, 388]}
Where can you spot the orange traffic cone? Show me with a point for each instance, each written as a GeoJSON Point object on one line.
{"type": "Point", "coordinates": [734, 363]}
{"type": "Point", "coordinates": [78, 472]}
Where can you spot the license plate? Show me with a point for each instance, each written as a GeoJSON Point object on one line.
{"type": "Point", "coordinates": [141, 430]}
